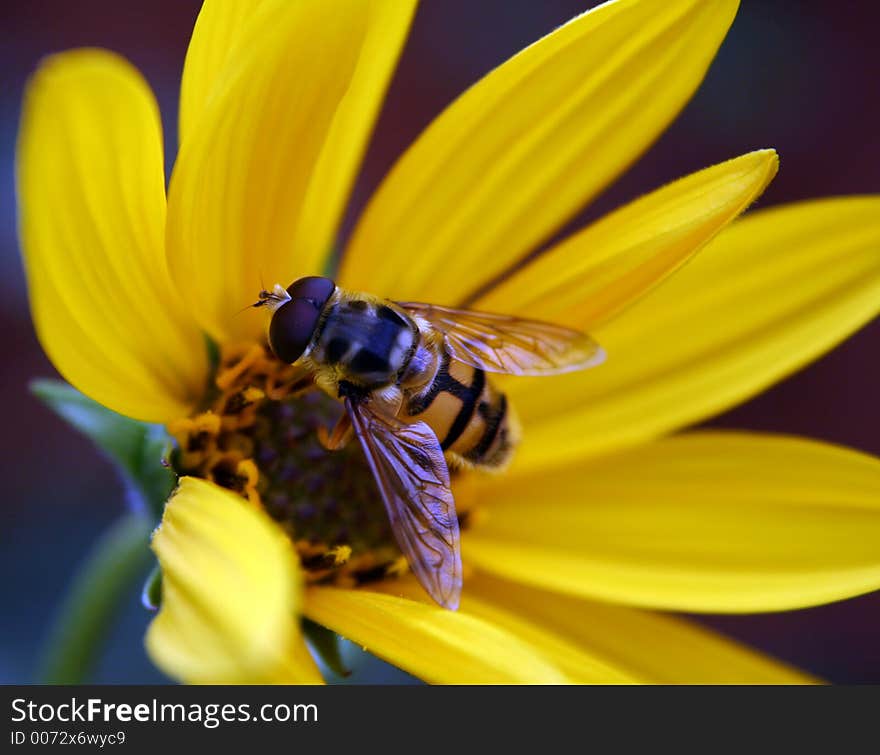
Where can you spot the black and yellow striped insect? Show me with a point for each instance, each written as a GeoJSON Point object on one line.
{"type": "Point", "coordinates": [413, 380]}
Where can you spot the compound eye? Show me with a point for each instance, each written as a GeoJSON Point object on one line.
{"type": "Point", "coordinates": [292, 327]}
{"type": "Point", "coordinates": [315, 288]}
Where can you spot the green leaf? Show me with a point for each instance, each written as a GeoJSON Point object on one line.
{"type": "Point", "coordinates": [119, 558]}
{"type": "Point", "coordinates": [136, 448]}
{"type": "Point", "coordinates": [151, 592]}
{"type": "Point", "coordinates": [213, 350]}
{"type": "Point", "coordinates": [326, 645]}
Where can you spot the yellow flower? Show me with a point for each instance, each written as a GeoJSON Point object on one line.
{"type": "Point", "coordinates": [601, 515]}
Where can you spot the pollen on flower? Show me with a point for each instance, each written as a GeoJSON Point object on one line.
{"type": "Point", "coordinates": [260, 436]}
{"type": "Point", "coordinates": [340, 554]}
{"type": "Point", "coordinates": [238, 474]}
{"type": "Point", "coordinates": [398, 567]}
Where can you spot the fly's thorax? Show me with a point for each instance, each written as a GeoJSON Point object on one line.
{"type": "Point", "coordinates": [427, 358]}
{"type": "Point", "coordinates": [363, 340]}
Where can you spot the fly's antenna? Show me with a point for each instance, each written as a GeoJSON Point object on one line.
{"type": "Point", "coordinates": [266, 298]}
{"type": "Point", "coordinates": [250, 306]}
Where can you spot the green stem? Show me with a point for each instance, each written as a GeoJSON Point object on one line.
{"type": "Point", "coordinates": [326, 644]}
{"type": "Point", "coordinates": [117, 560]}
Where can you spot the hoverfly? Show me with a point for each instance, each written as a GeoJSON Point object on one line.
{"type": "Point", "coordinates": [413, 381]}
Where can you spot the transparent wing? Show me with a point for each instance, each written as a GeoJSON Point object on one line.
{"type": "Point", "coordinates": [511, 345]}
{"type": "Point", "coordinates": [413, 479]}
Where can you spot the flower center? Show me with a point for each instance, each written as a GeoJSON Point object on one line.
{"type": "Point", "coordinates": [259, 437]}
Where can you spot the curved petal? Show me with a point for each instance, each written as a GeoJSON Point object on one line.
{"type": "Point", "coordinates": [575, 659]}
{"type": "Point", "coordinates": [435, 644]}
{"type": "Point", "coordinates": [651, 648]}
{"type": "Point", "coordinates": [720, 522]}
{"type": "Point", "coordinates": [217, 32]}
{"type": "Point", "coordinates": [260, 184]}
{"type": "Point", "coordinates": [522, 150]}
{"type": "Point", "coordinates": [591, 276]}
{"type": "Point", "coordinates": [91, 219]}
{"type": "Point", "coordinates": [231, 592]}
{"type": "Point", "coordinates": [770, 293]}
{"type": "Point", "coordinates": [350, 131]}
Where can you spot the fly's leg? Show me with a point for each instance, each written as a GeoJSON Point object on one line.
{"type": "Point", "coordinates": [339, 436]}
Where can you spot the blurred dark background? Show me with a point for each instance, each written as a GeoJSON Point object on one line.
{"type": "Point", "coordinates": [801, 77]}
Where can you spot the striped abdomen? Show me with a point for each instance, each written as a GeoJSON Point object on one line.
{"type": "Point", "coordinates": [469, 416]}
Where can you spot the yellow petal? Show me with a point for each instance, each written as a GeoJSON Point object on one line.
{"type": "Point", "coordinates": [721, 522]}
{"type": "Point", "coordinates": [350, 131]}
{"type": "Point", "coordinates": [259, 185]}
{"type": "Point", "coordinates": [522, 150]}
{"type": "Point", "coordinates": [652, 648]}
{"type": "Point", "coordinates": [231, 593]}
{"type": "Point", "coordinates": [217, 32]}
{"type": "Point", "coordinates": [91, 219]}
{"type": "Point", "coordinates": [770, 293]}
{"type": "Point", "coordinates": [591, 276]}
{"type": "Point", "coordinates": [564, 650]}
{"type": "Point", "coordinates": [435, 644]}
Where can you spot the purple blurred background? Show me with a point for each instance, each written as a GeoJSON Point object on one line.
{"type": "Point", "coordinates": [800, 77]}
